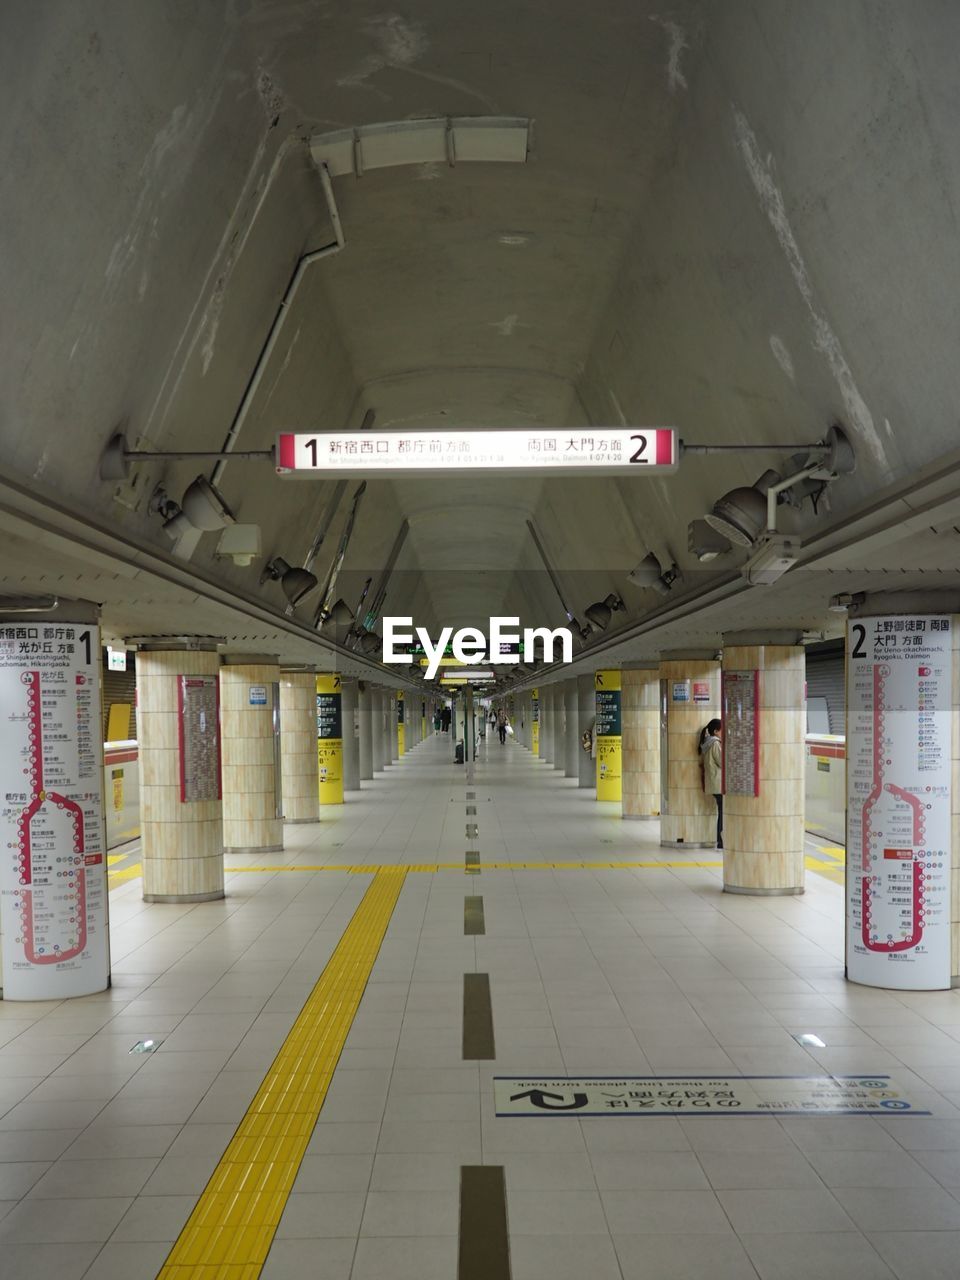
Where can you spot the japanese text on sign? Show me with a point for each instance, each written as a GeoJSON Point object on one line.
{"type": "Point", "coordinates": [701, 1095]}
{"type": "Point", "coordinates": [599, 450]}
{"type": "Point", "coordinates": [199, 730]}
{"type": "Point", "coordinates": [741, 733]}
{"type": "Point", "coordinates": [899, 700]}
{"type": "Point", "coordinates": [53, 884]}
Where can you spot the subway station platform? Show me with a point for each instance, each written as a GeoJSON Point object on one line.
{"type": "Point", "coordinates": [359, 951]}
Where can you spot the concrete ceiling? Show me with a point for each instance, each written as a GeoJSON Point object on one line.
{"type": "Point", "coordinates": [737, 219]}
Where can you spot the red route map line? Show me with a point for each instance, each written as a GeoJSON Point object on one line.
{"type": "Point", "coordinates": [39, 798]}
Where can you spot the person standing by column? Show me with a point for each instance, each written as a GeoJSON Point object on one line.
{"type": "Point", "coordinates": [711, 760]}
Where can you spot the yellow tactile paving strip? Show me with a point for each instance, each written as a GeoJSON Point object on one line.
{"type": "Point", "coordinates": [832, 867]}
{"type": "Point", "coordinates": [229, 1233]}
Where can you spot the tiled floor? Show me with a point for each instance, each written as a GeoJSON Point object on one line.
{"type": "Point", "coordinates": [653, 970]}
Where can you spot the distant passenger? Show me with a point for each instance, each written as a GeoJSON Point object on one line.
{"type": "Point", "coordinates": [502, 727]}
{"type": "Point", "coordinates": [437, 720]}
{"type": "Point", "coordinates": [445, 718]}
{"type": "Point", "coordinates": [711, 761]}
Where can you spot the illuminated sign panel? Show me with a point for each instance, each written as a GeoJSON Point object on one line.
{"type": "Point", "coordinates": [578, 451]}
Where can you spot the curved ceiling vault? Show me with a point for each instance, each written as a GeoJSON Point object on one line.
{"type": "Point", "coordinates": [721, 223]}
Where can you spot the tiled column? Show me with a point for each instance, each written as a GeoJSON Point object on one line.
{"type": "Point", "coordinates": [560, 727]}
{"type": "Point", "coordinates": [546, 723]}
{"type": "Point", "coordinates": [377, 734]}
{"type": "Point", "coordinates": [688, 816]}
{"type": "Point", "coordinates": [640, 712]}
{"type": "Point", "coordinates": [392, 749]}
{"type": "Point", "coordinates": [351, 739]}
{"type": "Point", "coordinates": [586, 716]}
{"type": "Point", "coordinates": [572, 752]}
{"type": "Point", "coordinates": [251, 823]}
{"type": "Point", "coordinates": [298, 745]}
{"type": "Point", "coordinates": [763, 834]}
{"type": "Point", "coordinates": [365, 704]}
{"type": "Point", "coordinates": [181, 843]}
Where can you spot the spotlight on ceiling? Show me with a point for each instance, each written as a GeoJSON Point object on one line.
{"type": "Point", "coordinates": [369, 643]}
{"type": "Point", "coordinates": [741, 515]}
{"type": "Point", "coordinates": [296, 583]}
{"type": "Point", "coordinates": [204, 507]}
{"type": "Point", "coordinates": [650, 573]}
{"type": "Point", "coordinates": [704, 542]}
{"type": "Point", "coordinates": [340, 614]}
{"type": "Point", "coordinates": [600, 613]}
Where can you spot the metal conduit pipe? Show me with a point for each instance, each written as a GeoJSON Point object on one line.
{"type": "Point", "coordinates": [266, 351]}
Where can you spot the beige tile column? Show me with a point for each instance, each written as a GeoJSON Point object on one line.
{"type": "Point", "coordinates": [640, 715]}
{"type": "Point", "coordinates": [763, 834]}
{"type": "Point", "coordinates": [181, 838]}
{"type": "Point", "coordinates": [298, 745]}
{"type": "Point", "coordinates": [251, 817]}
{"type": "Point", "coordinates": [559, 727]}
{"type": "Point", "coordinates": [687, 816]}
{"type": "Point", "coordinates": [546, 723]}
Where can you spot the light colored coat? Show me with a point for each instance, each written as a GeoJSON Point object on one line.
{"type": "Point", "coordinates": [712, 757]}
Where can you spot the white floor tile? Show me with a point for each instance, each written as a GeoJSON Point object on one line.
{"type": "Point", "coordinates": [824, 1255]}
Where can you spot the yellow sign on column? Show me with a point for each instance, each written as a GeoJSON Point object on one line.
{"type": "Point", "coordinates": [401, 728]}
{"type": "Point", "coordinates": [330, 739]}
{"type": "Point", "coordinates": [608, 731]}
{"type": "Point", "coordinates": [535, 721]}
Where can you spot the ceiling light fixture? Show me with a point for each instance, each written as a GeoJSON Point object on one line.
{"type": "Point", "coordinates": [369, 643]}
{"type": "Point", "coordinates": [740, 515]}
{"type": "Point", "coordinates": [600, 613]}
{"type": "Point", "coordinates": [204, 507]}
{"type": "Point", "coordinates": [705, 542]}
{"type": "Point", "coordinates": [749, 513]}
{"type": "Point", "coordinates": [649, 573]}
{"type": "Point", "coordinates": [295, 583]}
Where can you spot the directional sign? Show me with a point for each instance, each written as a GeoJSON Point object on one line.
{"type": "Point", "coordinates": [877, 1095]}
{"type": "Point", "coordinates": [627, 451]}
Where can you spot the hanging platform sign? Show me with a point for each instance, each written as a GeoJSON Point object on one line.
{"type": "Point", "coordinates": [535, 721]}
{"type": "Point", "coordinates": [587, 451]}
{"type": "Point", "coordinates": [609, 735]}
{"type": "Point", "coordinates": [330, 739]}
{"type": "Point", "coordinates": [53, 867]}
{"type": "Point", "coordinates": [899, 748]}
{"type": "Point", "coordinates": [401, 726]}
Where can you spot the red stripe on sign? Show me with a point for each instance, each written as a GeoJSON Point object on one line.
{"type": "Point", "coordinates": [898, 855]}
{"type": "Point", "coordinates": [286, 452]}
{"type": "Point", "coordinates": [119, 757]}
{"type": "Point", "coordinates": [664, 448]}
